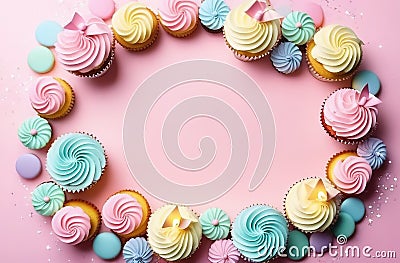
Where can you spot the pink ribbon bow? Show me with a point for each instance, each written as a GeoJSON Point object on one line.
{"type": "Point", "coordinates": [262, 11]}
{"type": "Point", "coordinates": [366, 99]}
{"type": "Point", "coordinates": [79, 24]}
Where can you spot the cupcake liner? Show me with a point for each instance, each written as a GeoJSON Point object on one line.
{"type": "Point", "coordinates": [328, 129]}
{"type": "Point", "coordinates": [96, 230]}
{"type": "Point", "coordinates": [338, 201]}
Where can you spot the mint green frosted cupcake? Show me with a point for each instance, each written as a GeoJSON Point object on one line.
{"type": "Point", "coordinates": [35, 133]}
{"type": "Point", "coordinates": [298, 28]}
{"type": "Point", "coordinates": [48, 198]}
{"type": "Point", "coordinates": [215, 223]}
{"type": "Point", "coordinates": [76, 161]}
{"type": "Point", "coordinates": [260, 232]}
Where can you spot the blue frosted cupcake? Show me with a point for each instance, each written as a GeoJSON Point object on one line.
{"type": "Point", "coordinates": [260, 232]}
{"type": "Point", "coordinates": [212, 14]}
{"type": "Point", "coordinates": [35, 133]}
{"type": "Point", "coordinates": [137, 250]}
{"type": "Point", "coordinates": [76, 161]}
{"type": "Point", "coordinates": [374, 151]}
{"type": "Point", "coordinates": [286, 57]}
{"type": "Point", "coordinates": [215, 223]}
{"type": "Point", "coordinates": [298, 28]}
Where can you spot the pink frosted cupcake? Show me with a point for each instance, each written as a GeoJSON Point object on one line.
{"type": "Point", "coordinates": [179, 18]}
{"type": "Point", "coordinates": [223, 251]}
{"type": "Point", "coordinates": [85, 47]}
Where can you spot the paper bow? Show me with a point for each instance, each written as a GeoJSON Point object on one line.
{"type": "Point", "coordinates": [366, 99]}
{"type": "Point", "coordinates": [320, 193]}
{"type": "Point", "coordinates": [262, 11]}
{"type": "Point", "coordinates": [79, 24]}
{"type": "Point", "coordinates": [175, 219]}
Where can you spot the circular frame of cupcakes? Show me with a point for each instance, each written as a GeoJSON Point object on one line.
{"type": "Point", "coordinates": [76, 161]}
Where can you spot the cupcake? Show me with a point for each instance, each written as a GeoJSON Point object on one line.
{"type": "Point", "coordinates": [252, 29]}
{"type": "Point", "coordinates": [85, 47]}
{"type": "Point", "coordinates": [334, 53]}
{"type": "Point", "coordinates": [76, 161]}
{"type": "Point", "coordinates": [298, 28]}
{"type": "Point", "coordinates": [212, 14]}
{"type": "Point", "coordinates": [51, 97]}
{"type": "Point", "coordinates": [179, 18]}
{"type": "Point", "coordinates": [312, 205]}
{"type": "Point", "coordinates": [374, 151]}
{"type": "Point", "coordinates": [174, 232]}
{"type": "Point", "coordinates": [350, 116]}
{"type": "Point", "coordinates": [47, 198]}
{"type": "Point", "coordinates": [259, 233]}
{"type": "Point", "coordinates": [349, 172]}
{"type": "Point", "coordinates": [135, 26]}
{"type": "Point", "coordinates": [215, 223]}
{"type": "Point", "coordinates": [286, 57]}
{"type": "Point", "coordinates": [126, 213]}
{"type": "Point", "coordinates": [35, 133]}
{"type": "Point", "coordinates": [223, 251]}
{"type": "Point", "coordinates": [137, 250]}
{"type": "Point", "coordinates": [77, 222]}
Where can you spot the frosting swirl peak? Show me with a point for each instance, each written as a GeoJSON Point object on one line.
{"type": "Point", "coordinates": [179, 15]}
{"type": "Point", "coordinates": [374, 151]}
{"type": "Point", "coordinates": [47, 95]}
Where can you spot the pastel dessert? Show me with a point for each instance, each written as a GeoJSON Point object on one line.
{"type": "Point", "coordinates": [28, 166]}
{"type": "Point", "coordinates": [312, 204]}
{"type": "Point", "coordinates": [297, 245]}
{"type": "Point", "coordinates": [77, 222]}
{"type": "Point", "coordinates": [334, 53]}
{"type": "Point", "coordinates": [107, 245]}
{"type": "Point", "coordinates": [179, 18]}
{"type": "Point", "coordinates": [252, 29]}
{"type": "Point", "coordinates": [350, 116]}
{"type": "Point", "coordinates": [286, 57]}
{"type": "Point", "coordinates": [349, 172]}
{"type": "Point", "coordinates": [51, 97]}
{"type": "Point", "coordinates": [85, 47]}
{"type": "Point", "coordinates": [298, 28]}
{"type": "Point", "coordinates": [212, 14]}
{"type": "Point", "coordinates": [76, 161]}
{"type": "Point", "coordinates": [35, 133]}
{"type": "Point", "coordinates": [223, 251]}
{"type": "Point", "coordinates": [126, 213]}
{"type": "Point", "coordinates": [374, 151]}
{"type": "Point", "coordinates": [137, 250]}
{"type": "Point", "coordinates": [47, 198]}
{"type": "Point", "coordinates": [174, 232]}
{"type": "Point", "coordinates": [135, 26]}
{"type": "Point", "coordinates": [259, 232]}
{"type": "Point", "coordinates": [215, 223]}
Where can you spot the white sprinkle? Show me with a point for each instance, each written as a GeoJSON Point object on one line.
{"type": "Point", "coordinates": [48, 247]}
{"type": "Point", "coordinates": [380, 46]}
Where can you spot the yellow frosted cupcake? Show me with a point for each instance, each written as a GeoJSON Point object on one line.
{"type": "Point", "coordinates": [252, 29]}
{"type": "Point", "coordinates": [334, 53]}
{"type": "Point", "coordinates": [135, 26]}
{"type": "Point", "coordinates": [312, 204]}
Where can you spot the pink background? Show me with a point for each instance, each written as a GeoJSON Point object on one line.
{"type": "Point", "coordinates": [302, 147]}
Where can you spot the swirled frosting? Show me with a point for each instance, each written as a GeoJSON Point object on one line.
{"type": "Point", "coordinates": [374, 151]}
{"type": "Point", "coordinates": [134, 22]}
{"type": "Point", "coordinates": [223, 251]}
{"type": "Point", "coordinates": [71, 225]}
{"type": "Point", "coordinates": [137, 250]}
{"type": "Point", "coordinates": [259, 233]}
{"type": "Point", "coordinates": [84, 45]}
{"type": "Point", "coordinates": [76, 161]}
{"type": "Point", "coordinates": [286, 57]}
{"type": "Point", "coordinates": [122, 213]}
{"type": "Point", "coordinates": [35, 133]}
{"type": "Point", "coordinates": [352, 175]}
{"type": "Point", "coordinates": [215, 223]}
{"type": "Point", "coordinates": [244, 33]}
{"type": "Point", "coordinates": [337, 48]}
{"type": "Point", "coordinates": [350, 114]}
{"type": "Point", "coordinates": [212, 14]}
{"type": "Point", "coordinates": [174, 232]}
{"type": "Point", "coordinates": [298, 27]}
{"type": "Point", "coordinates": [179, 15]}
{"type": "Point", "coordinates": [47, 198]}
{"type": "Point", "coordinates": [47, 96]}
{"type": "Point", "coordinates": [310, 214]}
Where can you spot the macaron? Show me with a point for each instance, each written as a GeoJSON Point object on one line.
{"type": "Point", "coordinates": [41, 59]}
{"type": "Point", "coordinates": [28, 166]}
{"type": "Point", "coordinates": [344, 227]}
{"type": "Point", "coordinates": [102, 8]}
{"type": "Point", "coordinates": [107, 245]}
{"type": "Point", "coordinates": [320, 241]}
{"type": "Point", "coordinates": [366, 77]}
{"type": "Point", "coordinates": [354, 207]}
{"type": "Point", "coordinates": [297, 246]}
{"type": "Point", "coordinates": [46, 33]}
